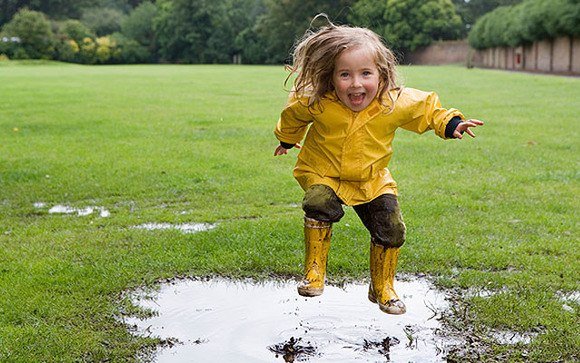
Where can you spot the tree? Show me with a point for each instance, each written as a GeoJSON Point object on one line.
{"type": "Point", "coordinates": [408, 24]}
{"type": "Point", "coordinates": [35, 34]}
{"type": "Point", "coordinates": [203, 31]}
{"type": "Point", "coordinates": [182, 27]}
{"type": "Point", "coordinates": [55, 9]}
{"type": "Point", "coordinates": [284, 22]}
{"type": "Point", "coordinates": [368, 13]}
{"type": "Point", "coordinates": [138, 24]}
{"type": "Point", "coordinates": [103, 21]}
{"type": "Point", "coordinates": [471, 10]}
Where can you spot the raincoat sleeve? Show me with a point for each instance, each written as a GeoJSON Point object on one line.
{"type": "Point", "coordinates": [294, 121]}
{"type": "Point", "coordinates": [424, 112]}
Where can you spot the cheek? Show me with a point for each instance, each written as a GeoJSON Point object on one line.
{"type": "Point", "coordinates": [373, 86]}
{"type": "Point", "coordinates": [339, 86]}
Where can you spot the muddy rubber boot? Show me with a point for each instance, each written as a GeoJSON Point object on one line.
{"type": "Point", "coordinates": [381, 290]}
{"type": "Point", "coordinates": [317, 242]}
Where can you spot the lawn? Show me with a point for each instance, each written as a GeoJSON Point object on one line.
{"type": "Point", "coordinates": [494, 219]}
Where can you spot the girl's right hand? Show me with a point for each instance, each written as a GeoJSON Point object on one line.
{"type": "Point", "coordinates": [281, 150]}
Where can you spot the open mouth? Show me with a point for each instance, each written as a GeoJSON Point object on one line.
{"type": "Point", "coordinates": [357, 98]}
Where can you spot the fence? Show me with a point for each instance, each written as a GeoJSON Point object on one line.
{"type": "Point", "coordinates": [560, 56]}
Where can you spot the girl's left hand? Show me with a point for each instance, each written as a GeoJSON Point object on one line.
{"type": "Point", "coordinates": [464, 127]}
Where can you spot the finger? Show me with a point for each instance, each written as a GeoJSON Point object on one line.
{"type": "Point", "coordinates": [457, 134]}
{"type": "Point", "coordinates": [470, 133]}
{"type": "Point", "coordinates": [298, 146]}
{"type": "Point", "coordinates": [475, 122]}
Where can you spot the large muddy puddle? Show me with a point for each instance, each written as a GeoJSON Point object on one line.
{"type": "Point", "coordinates": [220, 320]}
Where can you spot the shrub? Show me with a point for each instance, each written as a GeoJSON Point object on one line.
{"type": "Point", "coordinates": [33, 29]}
{"type": "Point", "coordinates": [105, 49]}
{"type": "Point", "coordinates": [68, 50]}
{"type": "Point", "coordinates": [87, 52]}
{"type": "Point", "coordinates": [129, 50]}
{"type": "Point", "coordinates": [75, 30]}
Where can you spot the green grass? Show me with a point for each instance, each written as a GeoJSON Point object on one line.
{"type": "Point", "coordinates": [178, 144]}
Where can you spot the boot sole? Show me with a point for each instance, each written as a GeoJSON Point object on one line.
{"type": "Point", "coordinates": [389, 309]}
{"type": "Point", "coordinates": [309, 292]}
{"type": "Point", "coordinates": [393, 310]}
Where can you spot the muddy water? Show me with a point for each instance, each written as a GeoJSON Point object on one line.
{"type": "Point", "coordinates": [232, 321]}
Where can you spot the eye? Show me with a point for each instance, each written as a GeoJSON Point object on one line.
{"type": "Point", "coordinates": [343, 74]}
{"type": "Point", "coordinates": [367, 73]}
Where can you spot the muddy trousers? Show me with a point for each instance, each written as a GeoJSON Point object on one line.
{"type": "Point", "coordinates": [382, 218]}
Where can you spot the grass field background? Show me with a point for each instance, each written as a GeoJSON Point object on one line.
{"type": "Point", "coordinates": [192, 144]}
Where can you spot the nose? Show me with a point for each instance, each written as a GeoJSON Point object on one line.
{"type": "Point", "coordinates": [356, 82]}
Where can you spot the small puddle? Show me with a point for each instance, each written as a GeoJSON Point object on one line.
{"type": "Point", "coordinates": [569, 299]}
{"type": "Point", "coordinates": [222, 320]}
{"type": "Point", "coordinates": [184, 227]}
{"type": "Point", "coordinates": [81, 212]}
{"type": "Point", "coordinates": [511, 337]}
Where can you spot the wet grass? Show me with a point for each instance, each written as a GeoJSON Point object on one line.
{"type": "Point", "coordinates": [193, 144]}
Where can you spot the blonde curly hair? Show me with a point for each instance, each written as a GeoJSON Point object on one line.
{"type": "Point", "coordinates": [314, 57]}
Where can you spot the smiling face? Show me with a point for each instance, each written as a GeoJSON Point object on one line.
{"type": "Point", "coordinates": [356, 78]}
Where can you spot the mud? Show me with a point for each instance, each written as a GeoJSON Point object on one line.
{"type": "Point", "coordinates": [292, 349]}
{"type": "Point", "coordinates": [222, 320]}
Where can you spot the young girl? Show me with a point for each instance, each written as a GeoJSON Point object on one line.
{"type": "Point", "coordinates": [346, 91]}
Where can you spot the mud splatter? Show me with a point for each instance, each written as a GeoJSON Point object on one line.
{"type": "Point", "coordinates": [292, 350]}
{"type": "Point", "coordinates": [384, 346]}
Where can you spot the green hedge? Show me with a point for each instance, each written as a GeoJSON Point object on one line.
{"type": "Point", "coordinates": [529, 21]}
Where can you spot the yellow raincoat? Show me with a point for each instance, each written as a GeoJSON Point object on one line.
{"type": "Point", "coordinates": [350, 151]}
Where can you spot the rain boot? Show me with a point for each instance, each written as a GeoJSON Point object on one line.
{"type": "Point", "coordinates": [317, 241]}
{"type": "Point", "coordinates": [381, 289]}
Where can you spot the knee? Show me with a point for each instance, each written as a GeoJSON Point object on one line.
{"type": "Point", "coordinates": [383, 219]}
{"type": "Point", "coordinates": [392, 236]}
{"type": "Point", "coordinates": [321, 203]}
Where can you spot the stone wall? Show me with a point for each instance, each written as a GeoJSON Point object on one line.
{"type": "Point", "coordinates": [560, 56]}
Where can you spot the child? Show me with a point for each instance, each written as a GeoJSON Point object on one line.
{"type": "Point", "coordinates": [346, 91]}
